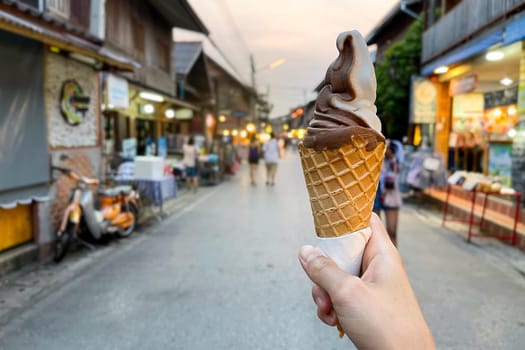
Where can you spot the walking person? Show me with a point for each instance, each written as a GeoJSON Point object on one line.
{"type": "Point", "coordinates": [190, 164]}
{"type": "Point", "coordinates": [254, 153]}
{"type": "Point", "coordinates": [272, 153]}
{"type": "Point", "coordinates": [390, 195]}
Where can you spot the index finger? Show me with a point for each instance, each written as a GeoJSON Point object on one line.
{"type": "Point", "coordinates": [379, 242]}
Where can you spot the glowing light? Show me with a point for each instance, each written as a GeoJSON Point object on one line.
{"type": "Point", "coordinates": [149, 109]}
{"type": "Point", "coordinates": [268, 128]}
{"type": "Point", "coordinates": [441, 70]}
{"type": "Point", "coordinates": [494, 56]}
{"type": "Point", "coordinates": [226, 133]}
{"type": "Point", "coordinates": [244, 134]}
{"type": "Point", "coordinates": [506, 81]}
{"type": "Point", "coordinates": [511, 110]}
{"type": "Point", "coordinates": [222, 118]}
{"type": "Point", "coordinates": [285, 127]}
{"type": "Point", "coordinates": [417, 135]}
{"type": "Point", "coordinates": [250, 127]}
{"type": "Point", "coordinates": [151, 96]}
{"type": "Point", "coordinates": [169, 113]}
{"type": "Point", "coordinates": [511, 133]}
{"type": "Point", "coordinates": [264, 137]}
{"type": "Point", "coordinates": [277, 63]}
{"type": "Point", "coordinates": [210, 121]}
{"type": "Point", "coordinates": [497, 112]}
{"type": "Point", "coordinates": [235, 132]}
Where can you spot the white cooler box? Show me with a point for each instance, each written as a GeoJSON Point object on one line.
{"type": "Point", "coordinates": [149, 167]}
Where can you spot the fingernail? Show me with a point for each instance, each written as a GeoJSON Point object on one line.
{"type": "Point", "coordinates": [308, 252]}
{"type": "Point", "coordinates": [317, 301]}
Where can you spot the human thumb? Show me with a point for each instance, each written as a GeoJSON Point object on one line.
{"type": "Point", "coordinates": [321, 270]}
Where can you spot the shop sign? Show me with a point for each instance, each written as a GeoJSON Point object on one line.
{"type": "Point", "coordinates": [467, 113]}
{"type": "Point", "coordinates": [501, 98]}
{"type": "Point", "coordinates": [424, 101]}
{"type": "Point", "coordinates": [118, 92]}
{"type": "Point", "coordinates": [521, 98]}
{"type": "Point", "coordinates": [162, 149]}
{"type": "Point", "coordinates": [521, 102]}
{"type": "Point", "coordinates": [463, 85]}
{"type": "Point", "coordinates": [183, 114]}
{"type": "Point", "coordinates": [500, 162]}
{"type": "Point", "coordinates": [239, 114]}
{"type": "Point", "coordinates": [518, 158]}
{"type": "Point", "coordinates": [129, 148]}
{"type": "Point", "coordinates": [73, 102]}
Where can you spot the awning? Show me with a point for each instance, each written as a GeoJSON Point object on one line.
{"type": "Point", "coordinates": [170, 99]}
{"type": "Point", "coordinates": [24, 196]}
{"type": "Point", "coordinates": [179, 13]}
{"type": "Point", "coordinates": [464, 52]}
{"type": "Point", "coordinates": [514, 31]}
{"type": "Point", "coordinates": [64, 41]}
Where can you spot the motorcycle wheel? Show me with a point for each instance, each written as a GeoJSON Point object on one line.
{"type": "Point", "coordinates": [129, 230]}
{"type": "Point", "coordinates": [63, 241]}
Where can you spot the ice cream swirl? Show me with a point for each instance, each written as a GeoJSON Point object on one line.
{"type": "Point", "coordinates": [345, 105]}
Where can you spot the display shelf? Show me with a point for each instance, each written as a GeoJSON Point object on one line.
{"type": "Point", "coordinates": [477, 211]}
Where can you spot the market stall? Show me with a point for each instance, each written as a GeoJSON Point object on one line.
{"type": "Point", "coordinates": [474, 192]}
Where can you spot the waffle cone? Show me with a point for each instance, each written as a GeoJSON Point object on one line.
{"type": "Point", "coordinates": [342, 185]}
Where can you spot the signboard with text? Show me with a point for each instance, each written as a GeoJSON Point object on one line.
{"type": "Point", "coordinates": [117, 92]}
{"type": "Point", "coordinates": [463, 85]}
{"type": "Point", "coordinates": [423, 101]}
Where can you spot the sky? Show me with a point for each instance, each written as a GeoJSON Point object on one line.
{"type": "Point", "coordinates": [303, 32]}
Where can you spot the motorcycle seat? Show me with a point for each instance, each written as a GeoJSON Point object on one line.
{"type": "Point", "coordinates": [115, 191]}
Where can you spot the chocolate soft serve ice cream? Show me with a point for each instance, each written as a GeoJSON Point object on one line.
{"type": "Point", "coordinates": [345, 105]}
{"type": "Point", "coordinates": [342, 155]}
{"type": "Point", "coordinates": [343, 149]}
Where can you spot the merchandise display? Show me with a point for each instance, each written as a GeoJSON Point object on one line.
{"type": "Point", "coordinates": [149, 167]}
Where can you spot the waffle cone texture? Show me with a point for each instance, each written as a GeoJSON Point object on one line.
{"type": "Point", "coordinates": [342, 185]}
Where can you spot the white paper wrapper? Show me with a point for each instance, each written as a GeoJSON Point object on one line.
{"type": "Point", "coordinates": [346, 251]}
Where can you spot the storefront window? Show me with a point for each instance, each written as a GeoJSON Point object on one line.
{"type": "Point", "coordinates": [145, 131]}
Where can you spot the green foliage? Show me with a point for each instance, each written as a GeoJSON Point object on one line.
{"type": "Point", "coordinates": [394, 73]}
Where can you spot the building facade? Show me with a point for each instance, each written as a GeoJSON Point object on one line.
{"type": "Point", "coordinates": [57, 57]}
{"type": "Point", "coordinates": [473, 53]}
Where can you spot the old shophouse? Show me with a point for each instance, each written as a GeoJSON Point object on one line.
{"type": "Point", "coordinates": [57, 58]}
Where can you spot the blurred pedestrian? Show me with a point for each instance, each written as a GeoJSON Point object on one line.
{"type": "Point", "coordinates": [254, 153]}
{"type": "Point", "coordinates": [190, 162]}
{"type": "Point", "coordinates": [390, 195]}
{"type": "Point", "coordinates": [272, 153]}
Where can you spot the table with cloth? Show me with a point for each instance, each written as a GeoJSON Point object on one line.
{"type": "Point", "coordinates": [158, 190]}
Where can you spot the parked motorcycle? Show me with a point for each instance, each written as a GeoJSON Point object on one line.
{"type": "Point", "coordinates": [112, 211]}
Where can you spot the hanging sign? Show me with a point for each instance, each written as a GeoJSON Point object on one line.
{"type": "Point", "coordinates": [467, 113]}
{"type": "Point", "coordinates": [463, 85]}
{"type": "Point", "coordinates": [73, 102]}
{"type": "Point", "coordinates": [117, 92]}
{"type": "Point", "coordinates": [423, 101]}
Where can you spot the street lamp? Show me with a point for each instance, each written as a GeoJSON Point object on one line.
{"type": "Point", "coordinates": [270, 66]}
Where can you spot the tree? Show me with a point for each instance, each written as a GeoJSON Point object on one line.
{"type": "Point", "coordinates": [394, 73]}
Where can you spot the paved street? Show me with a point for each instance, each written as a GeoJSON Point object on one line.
{"type": "Point", "coordinates": [222, 273]}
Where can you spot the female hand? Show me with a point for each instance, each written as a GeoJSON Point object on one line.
{"type": "Point", "coordinates": [378, 310]}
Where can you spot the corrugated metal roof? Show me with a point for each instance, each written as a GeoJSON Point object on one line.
{"type": "Point", "coordinates": [390, 19]}
{"type": "Point", "coordinates": [186, 54]}
{"type": "Point", "coordinates": [179, 13]}
{"type": "Point", "coordinates": [52, 20]}
{"type": "Point", "coordinates": [65, 40]}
